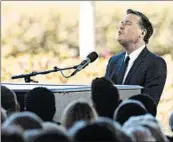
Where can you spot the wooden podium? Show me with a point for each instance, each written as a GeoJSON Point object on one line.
{"type": "Point", "coordinates": [64, 94]}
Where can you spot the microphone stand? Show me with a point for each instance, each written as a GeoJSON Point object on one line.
{"type": "Point", "coordinates": [27, 77]}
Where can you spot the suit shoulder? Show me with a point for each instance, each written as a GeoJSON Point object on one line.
{"type": "Point", "coordinates": [116, 57]}
{"type": "Point", "coordinates": [156, 58]}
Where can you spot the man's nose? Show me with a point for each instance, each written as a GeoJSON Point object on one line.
{"type": "Point", "coordinates": [121, 26]}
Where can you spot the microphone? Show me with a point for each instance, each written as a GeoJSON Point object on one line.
{"type": "Point", "coordinates": [90, 58]}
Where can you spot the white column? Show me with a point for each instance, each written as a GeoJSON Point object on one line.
{"type": "Point", "coordinates": [86, 28]}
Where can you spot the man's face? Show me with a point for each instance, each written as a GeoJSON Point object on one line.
{"type": "Point", "coordinates": [129, 30]}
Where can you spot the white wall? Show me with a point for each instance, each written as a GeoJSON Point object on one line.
{"type": "Point", "coordinates": [86, 28]}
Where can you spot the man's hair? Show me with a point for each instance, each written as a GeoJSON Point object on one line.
{"type": "Point", "coordinates": [25, 120]}
{"type": "Point", "coordinates": [127, 109]}
{"type": "Point", "coordinates": [103, 129]}
{"type": "Point", "coordinates": [12, 133]}
{"type": "Point", "coordinates": [9, 100]}
{"type": "Point", "coordinates": [41, 101]}
{"type": "Point", "coordinates": [147, 101]}
{"type": "Point", "coordinates": [42, 135]}
{"type": "Point", "coordinates": [105, 97]}
{"type": "Point", "coordinates": [144, 23]}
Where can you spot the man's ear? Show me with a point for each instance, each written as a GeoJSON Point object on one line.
{"type": "Point", "coordinates": [144, 32]}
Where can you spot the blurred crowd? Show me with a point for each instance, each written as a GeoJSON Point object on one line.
{"type": "Point", "coordinates": [108, 118]}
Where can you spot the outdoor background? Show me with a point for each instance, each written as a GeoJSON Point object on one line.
{"type": "Point", "coordinates": [36, 36]}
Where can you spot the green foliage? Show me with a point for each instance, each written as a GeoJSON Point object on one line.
{"type": "Point", "coordinates": [33, 33]}
{"type": "Point", "coordinates": [51, 33]}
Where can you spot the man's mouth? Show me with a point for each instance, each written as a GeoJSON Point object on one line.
{"type": "Point", "coordinates": [119, 33]}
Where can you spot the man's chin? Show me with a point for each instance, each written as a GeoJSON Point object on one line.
{"type": "Point", "coordinates": [119, 38]}
{"type": "Point", "coordinates": [122, 42]}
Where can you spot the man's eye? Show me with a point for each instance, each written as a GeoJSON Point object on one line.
{"type": "Point", "coordinates": [127, 23]}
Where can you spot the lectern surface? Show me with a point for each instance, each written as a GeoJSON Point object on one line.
{"type": "Point", "coordinates": [18, 87]}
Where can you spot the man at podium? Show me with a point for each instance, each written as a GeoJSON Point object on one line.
{"type": "Point", "coordinates": [137, 65]}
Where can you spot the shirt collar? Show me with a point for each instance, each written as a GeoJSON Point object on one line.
{"type": "Point", "coordinates": [135, 53]}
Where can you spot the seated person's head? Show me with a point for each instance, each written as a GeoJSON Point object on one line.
{"type": "Point", "coordinates": [41, 101]}
{"type": "Point", "coordinates": [77, 110]}
{"type": "Point", "coordinates": [102, 130]}
{"type": "Point", "coordinates": [127, 109]}
{"type": "Point", "coordinates": [147, 121]}
{"type": "Point", "coordinates": [25, 120]}
{"type": "Point", "coordinates": [46, 136]}
{"type": "Point", "coordinates": [139, 133]}
{"type": "Point", "coordinates": [9, 100]}
{"type": "Point", "coordinates": [138, 120]}
{"type": "Point", "coordinates": [105, 97]}
{"type": "Point", "coordinates": [12, 134]}
{"type": "Point", "coordinates": [147, 101]}
{"type": "Point", "coordinates": [52, 126]}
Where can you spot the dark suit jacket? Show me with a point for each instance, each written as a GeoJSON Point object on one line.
{"type": "Point", "coordinates": [148, 70]}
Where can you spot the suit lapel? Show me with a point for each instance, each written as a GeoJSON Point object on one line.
{"type": "Point", "coordinates": [119, 65]}
{"type": "Point", "coordinates": [136, 64]}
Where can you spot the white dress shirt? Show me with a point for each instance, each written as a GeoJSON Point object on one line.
{"type": "Point", "coordinates": [133, 56]}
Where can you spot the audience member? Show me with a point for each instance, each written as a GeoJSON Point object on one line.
{"type": "Point", "coordinates": [105, 97]}
{"type": "Point", "coordinates": [51, 126]}
{"type": "Point", "coordinates": [9, 100]}
{"type": "Point", "coordinates": [25, 120]}
{"type": "Point", "coordinates": [139, 134]}
{"type": "Point", "coordinates": [127, 109]}
{"type": "Point", "coordinates": [121, 121]}
{"type": "Point", "coordinates": [102, 130]}
{"type": "Point", "coordinates": [137, 120]}
{"type": "Point", "coordinates": [147, 122]}
{"type": "Point", "coordinates": [147, 101]}
{"type": "Point", "coordinates": [12, 134]}
{"type": "Point", "coordinates": [41, 101]}
{"type": "Point", "coordinates": [46, 136]}
{"type": "Point", "coordinates": [77, 110]}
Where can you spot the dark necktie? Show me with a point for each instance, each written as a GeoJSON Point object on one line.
{"type": "Point", "coordinates": [123, 69]}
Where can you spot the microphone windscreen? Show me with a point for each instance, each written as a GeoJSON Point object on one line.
{"type": "Point", "coordinates": [92, 56]}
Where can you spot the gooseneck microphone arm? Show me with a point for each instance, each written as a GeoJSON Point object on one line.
{"type": "Point", "coordinates": [90, 58]}
{"type": "Point", "coordinates": [27, 77]}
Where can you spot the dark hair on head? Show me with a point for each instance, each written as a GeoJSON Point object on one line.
{"type": "Point", "coordinates": [127, 109]}
{"type": "Point", "coordinates": [105, 96]}
{"type": "Point", "coordinates": [25, 120]}
{"type": "Point", "coordinates": [12, 133]}
{"type": "Point", "coordinates": [9, 100]}
{"type": "Point", "coordinates": [144, 23]}
{"type": "Point", "coordinates": [41, 101]}
{"type": "Point", "coordinates": [101, 130]}
{"type": "Point", "coordinates": [41, 135]}
{"type": "Point", "coordinates": [147, 101]}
